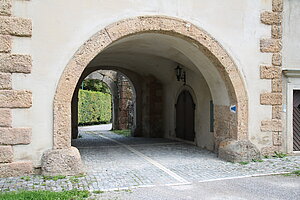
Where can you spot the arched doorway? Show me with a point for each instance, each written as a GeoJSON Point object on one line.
{"type": "Point", "coordinates": [185, 116]}
{"type": "Point", "coordinates": [179, 42]}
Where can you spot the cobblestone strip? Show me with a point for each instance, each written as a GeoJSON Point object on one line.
{"type": "Point", "coordinates": [153, 162]}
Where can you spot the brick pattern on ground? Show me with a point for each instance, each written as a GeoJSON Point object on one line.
{"type": "Point", "coordinates": [110, 165]}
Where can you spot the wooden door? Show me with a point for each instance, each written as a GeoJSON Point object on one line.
{"type": "Point", "coordinates": [185, 116]}
{"type": "Point", "coordinates": [296, 120]}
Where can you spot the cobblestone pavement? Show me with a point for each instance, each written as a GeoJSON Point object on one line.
{"type": "Point", "coordinates": [116, 162]}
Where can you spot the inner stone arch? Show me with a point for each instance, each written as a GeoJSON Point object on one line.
{"type": "Point", "coordinates": [113, 79]}
{"type": "Point", "coordinates": [152, 47]}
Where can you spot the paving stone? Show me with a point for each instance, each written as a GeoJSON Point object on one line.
{"type": "Point", "coordinates": [111, 165]}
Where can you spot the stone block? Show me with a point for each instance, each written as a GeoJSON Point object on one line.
{"type": "Point", "coordinates": [15, 26]}
{"type": "Point", "coordinates": [271, 125]}
{"type": "Point", "coordinates": [270, 45]}
{"type": "Point", "coordinates": [238, 150]}
{"type": "Point", "coordinates": [271, 99]}
{"type": "Point", "coordinates": [15, 99]}
{"type": "Point", "coordinates": [6, 154]}
{"type": "Point", "coordinates": [16, 169]}
{"type": "Point", "coordinates": [11, 136]}
{"type": "Point", "coordinates": [62, 162]}
{"type": "Point", "coordinates": [5, 7]}
{"type": "Point", "coordinates": [276, 85]}
{"type": "Point", "coordinates": [271, 18]}
{"type": "Point", "coordinates": [5, 117]}
{"type": "Point", "coordinates": [277, 138]}
{"type": "Point", "coordinates": [13, 63]}
{"type": "Point", "coordinates": [270, 150]}
{"type": "Point", "coordinates": [5, 81]}
{"type": "Point", "coordinates": [276, 112]}
{"type": "Point", "coordinates": [269, 72]}
{"type": "Point", "coordinates": [277, 5]}
{"type": "Point", "coordinates": [277, 59]}
{"type": "Point", "coordinates": [276, 32]}
{"type": "Point", "coordinates": [5, 43]}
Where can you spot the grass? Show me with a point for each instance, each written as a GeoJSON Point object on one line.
{"type": "Point", "coordinates": [54, 178]}
{"type": "Point", "coordinates": [26, 178]}
{"type": "Point", "coordinates": [279, 155]}
{"type": "Point", "coordinates": [297, 172]}
{"type": "Point", "coordinates": [257, 160]}
{"type": "Point", "coordinates": [45, 195]}
{"type": "Point", "coordinates": [124, 132]}
{"type": "Point", "coordinates": [243, 163]}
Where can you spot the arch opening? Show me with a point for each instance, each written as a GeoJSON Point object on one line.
{"type": "Point", "coordinates": [147, 50]}
{"type": "Point", "coordinates": [123, 101]}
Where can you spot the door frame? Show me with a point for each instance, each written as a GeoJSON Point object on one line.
{"type": "Point", "coordinates": [292, 83]}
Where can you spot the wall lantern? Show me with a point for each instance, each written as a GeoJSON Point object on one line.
{"type": "Point", "coordinates": [180, 74]}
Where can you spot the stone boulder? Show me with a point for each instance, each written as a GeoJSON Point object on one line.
{"type": "Point", "coordinates": [62, 162]}
{"type": "Point", "coordinates": [238, 151]}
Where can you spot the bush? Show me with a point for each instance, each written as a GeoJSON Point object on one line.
{"type": "Point", "coordinates": [93, 107]}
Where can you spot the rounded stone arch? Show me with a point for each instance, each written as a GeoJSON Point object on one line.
{"type": "Point", "coordinates": [121, 29]}
{"type": "Point", "coordinates": [113, 89]}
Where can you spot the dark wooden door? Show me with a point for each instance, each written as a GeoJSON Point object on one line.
{"type": "Point", "coordinates": [296, 120]}
{"type": "Point", "coordinates": [185, 116]}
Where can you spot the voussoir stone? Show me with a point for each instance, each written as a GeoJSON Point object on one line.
{"type": "Point", "coordinates": [238, 150]}
{"type": "Point", "coordinates": [14, 63]}
{"type": "Point", "coordinates": [15, 99]}
{"type": "Point", "coordinates": [16, 169]}
{"type": "Point", "coordinates": [6, 154]}
{"type": "Point", "coordinates": [12, 136]}
{"type": "Point", "coordinates": [62, 162]}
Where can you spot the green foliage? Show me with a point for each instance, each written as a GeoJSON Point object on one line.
{"type": "Point", "coordinates": [93, 107]}
{"type": "Point", "coordinates": [297, 172]}
{"type": "Point", "coordinates": [279, 155]}
{"type": "Point", "coordinates": [244, 163]}
{"type": "Point", "coordinates": [54, 178]}
{"type": "Point", "coordinates": [124, 132]}
{"type": "Point", "coordinates": [45, 195]}
{"type": "Point", "coordinates": [257, 160]}
{"type": "Point", "coordinates": [95, 85]}
{"type": "Point", "coordinates": [26, 178]}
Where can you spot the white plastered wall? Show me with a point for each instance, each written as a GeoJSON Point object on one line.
{"type": "Point", "coordinates": [60, 27]}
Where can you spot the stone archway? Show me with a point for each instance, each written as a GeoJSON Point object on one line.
{"type": "Point", "coordinates": [65, 159]}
